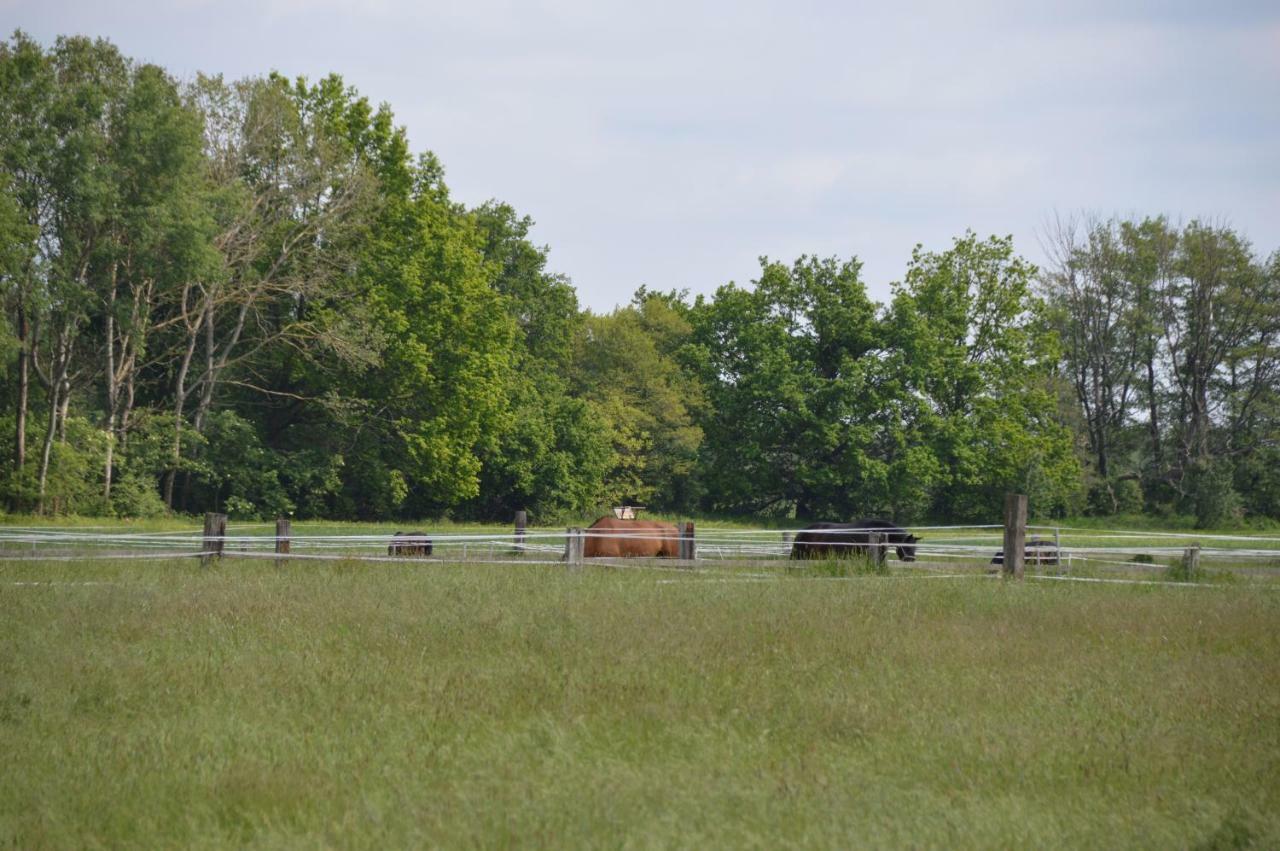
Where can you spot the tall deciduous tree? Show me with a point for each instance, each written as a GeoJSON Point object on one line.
{"type": "Point", "coordinates": [550, 453]}
{"type": "Point", "coordinates": [976, 350]}
{"type": "Point", "coordinates": [288, 195]}
{"type": "Point", "coordinates": [796, 393]}
{"type": "Point", "coordinates": [159, 236]}
{"type": "Point", "coordinates": [1183, 320]}
{"type": "Point", "coordinates": [1095, 311]}
{"type": "Point", "coordinates": [626, 365]}
{"type": "Point", "coordinates": [435, 395]}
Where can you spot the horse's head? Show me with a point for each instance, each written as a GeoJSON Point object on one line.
{"type": "Point", "coordinates": [907, 548]}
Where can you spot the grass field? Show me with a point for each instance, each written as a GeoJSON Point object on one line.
{"type": "Point", "coordinates": [349, 705]}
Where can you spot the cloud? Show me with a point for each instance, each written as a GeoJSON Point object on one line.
{"type": "Point", "coordinates": [672, 143]}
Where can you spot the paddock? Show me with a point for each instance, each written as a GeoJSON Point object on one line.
{"type": "Point", "coordinates": [162, 701]}
{"type": "Point", "coordinates": [1084, 553]}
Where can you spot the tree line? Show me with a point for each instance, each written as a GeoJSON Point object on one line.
{"type": "Point", "coordinates": [1171, 344]}
{"type": "Point", "coordinates": [252, 295]}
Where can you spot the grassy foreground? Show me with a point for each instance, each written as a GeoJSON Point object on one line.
{"type": "Point", "coordinates": [345, 705]}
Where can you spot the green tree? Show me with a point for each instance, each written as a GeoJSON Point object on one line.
{"type": "Point", "coordinates": [550, 451]}
{"type": "Point", "coordinates": [1094, 306]}
{"type": "Point", "coordinates": [625, 363]}
{"type": "Point", "coordinates": [433, 398]}
{"type": "Point", "coordinates": [55, 136]}
{"type": "Point", "coordinates": [159, 238]}
{"type": "Point", "coordinates": [801, 414]}
{"type": "Point", "coordinates": [291, 199]}
{"type": "Point", "coordinates": [975, 348]}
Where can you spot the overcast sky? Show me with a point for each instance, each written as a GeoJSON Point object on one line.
{"type": "Point", "coordinates": [671, 144]}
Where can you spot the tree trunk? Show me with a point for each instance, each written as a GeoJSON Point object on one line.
{"type": "Point", "coordinates": [24, 385]}
{"type": "Point", "coordinates": [54, 387]}
{"type": "Point", "coordinates": [126, 413]}
{"type": "Point", "coordinates": [111, 443]}
{"type": "Point", "coordinates": [179, 404]}
{"type": "Point", "coordinates": [109, 332]}
{"type": "Point", "coordinates": [1154, 415]}
{"type": "Point", "coordinates": [64, 405]}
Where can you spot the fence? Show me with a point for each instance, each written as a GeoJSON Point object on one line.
{"type": "Point", "coordinates": [1044, 550]}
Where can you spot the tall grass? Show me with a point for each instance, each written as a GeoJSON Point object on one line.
{"type": "Point", "coordinates": [355, 706]}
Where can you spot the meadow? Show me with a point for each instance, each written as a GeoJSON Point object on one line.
{"type": "Point", "coordinates": [355, 705]}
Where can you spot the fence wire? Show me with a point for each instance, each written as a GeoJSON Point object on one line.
{"type": "Point", "coordinates": [958, 548]}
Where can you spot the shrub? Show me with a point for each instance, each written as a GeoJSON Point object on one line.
{"type": "Point", "coordinates": [133, 495]}
{"type": "Point", "coordinates": [1115, 496]}
{"type": "Point", "coordinates": [1210, 494]}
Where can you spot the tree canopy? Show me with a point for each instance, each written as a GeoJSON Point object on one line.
{"type": "Point", "coordinates": [254, 295]}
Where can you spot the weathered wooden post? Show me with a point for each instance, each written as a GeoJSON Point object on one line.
{"type": "Point", "coordinates": [875, 545]}
{"type": "Point", "coordinates": [521, 521]}
{"type": "Point", "coordinates": [215, 533]}
{"type": "Point", "coordinates": [574, 547]}
{"type": "Point", "coordinates": [283, 543]}
{"type": "Point", "coordinates": [688, 545]}
{"type": "Point", "coordinates": [1191, 562]}
{"type": "Point", "coordinates": [1015, 534]}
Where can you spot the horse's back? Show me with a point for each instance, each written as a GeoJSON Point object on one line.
{"type": "Point", "coordinates": [631, 538]}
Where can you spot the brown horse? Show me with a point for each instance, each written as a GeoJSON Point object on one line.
{"type": "Point", "coordinates": [610, 537]}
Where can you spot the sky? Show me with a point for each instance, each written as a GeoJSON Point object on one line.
{"type": "Point", "coordinates": [672, 144]}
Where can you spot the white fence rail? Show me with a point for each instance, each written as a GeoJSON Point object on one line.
{"type": "Point", "coordinates": [949, 547]}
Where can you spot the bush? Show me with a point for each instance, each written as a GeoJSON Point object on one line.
{"type": "Point", "coordinates": [136, 496]}
{"type": "Point", "coordinates": [1210, 494]}
{"type": "Point", "coordinates": [1115, 496]}
{"type": "Point", "coordinates": [246, 482]}
{"type": "Point", "coordinates": [1257, 478]}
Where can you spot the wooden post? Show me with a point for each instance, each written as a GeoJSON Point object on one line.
{"type": "Point", "coordinates": [688, 545]}
{"type": "Point", "coordinates": [574, 547]}
{"type": "Point", "coordinates": [521, 521]}
{"type": "Point", "coordinates": [1191, 561]}
{"type": "Point", "coordinates": [215, 533]}
{"type": "Point", "coordinates": [1015, 534]}
{"type": "Point", "coordinates": [282, 538]}
{"type": "Point", "coordinates": [876, 549]}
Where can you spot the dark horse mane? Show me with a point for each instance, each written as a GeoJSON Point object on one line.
{"type": "Point", "coordinates": [825, 540]}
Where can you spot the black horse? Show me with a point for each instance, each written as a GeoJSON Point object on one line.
{"type": "Point", "coordinates": [841, 540]}
{"type": "Point", "coordinates": [409, 544]}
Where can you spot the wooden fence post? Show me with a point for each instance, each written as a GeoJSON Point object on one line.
{"type": "Point", "coordinates": [215, 533]}
{"type": "Point", "coordinates": [876, 549]}
{"type": "Point", "coordinates": [521, 520]}
{"type": "Point", "coordinates": [688, 545]}
{"type": "Point", "coordinates": [521, 524]}
{"type": "Point", "coordinates": [1191, 561]}
{"type": "Point", "coordinates": [574, 547]}
{"type": "Point", "coordinates": [1015, 534]}
{"type": "Point", "coordinates": [283, 544]}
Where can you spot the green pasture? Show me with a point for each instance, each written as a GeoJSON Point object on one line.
{"type": "Point", "coordinates": [353, 705]}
